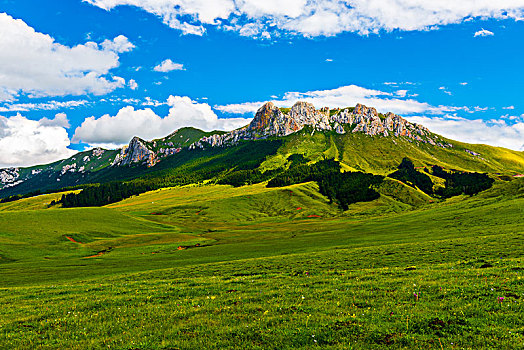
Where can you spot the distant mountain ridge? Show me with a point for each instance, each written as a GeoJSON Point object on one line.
{"type": "Point", "coordinates": [359, 136]}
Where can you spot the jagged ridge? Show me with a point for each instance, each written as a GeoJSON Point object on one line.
{"type": "Point", "coordinates": [271, 121]}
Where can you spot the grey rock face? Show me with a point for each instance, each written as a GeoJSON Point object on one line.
{"type": "Point", "coordinates": [270, 121]}
{"type": "Point", "coordinates": [9, 177]}
{"type": "Point", "coordinates": [136, 152]}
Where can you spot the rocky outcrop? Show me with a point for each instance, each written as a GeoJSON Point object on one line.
{"type": "Point", "coordinates": [9, 177]}
{"type": "Point", "coordinates": [270, 121]}
{"type": "Point", "coordinates": [97, 152]}
{"type": "Point", "coordinates": [69, 167]}
{"type": "Point", "coordinates": [136, 152]}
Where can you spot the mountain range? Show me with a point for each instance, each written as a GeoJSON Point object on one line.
{"type": "Point", "coordinates": [359, 137]}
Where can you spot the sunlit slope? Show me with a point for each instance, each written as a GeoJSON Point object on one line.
{"type": "Point", "coordinates": [32, 203]}
{"type": "Point", "coordinates": [381, 155]}
{"type": "Point", "coordinates": [226, 224]}
{"type": "Point", "coordinates": [220, 203]}
{"type": "Point", "coordinates": [54, 234]}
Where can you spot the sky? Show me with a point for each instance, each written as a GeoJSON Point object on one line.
{"type": "Point", "coordinates": [79, 74]}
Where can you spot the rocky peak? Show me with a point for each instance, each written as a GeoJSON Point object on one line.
{"type": "Point", "coordinates": [360, 109]}
{"type": "Point", "coordinates": [304, 113]}
{"type": "Point", "coordinates": [136, 152]}
{"type": "Point", "coordinates": [270, 121]}
{"type": "Point", "coordinates": [265, 116]}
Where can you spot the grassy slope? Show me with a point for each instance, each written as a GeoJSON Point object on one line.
{"type": "Point", "coordinates": [267, 275]}
{"type": "Point", "coordinates": [381, 155]}
{"type": "Point", "coordinates": [181, 138]}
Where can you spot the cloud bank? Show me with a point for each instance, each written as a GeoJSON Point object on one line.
{"type": "Point", "coordinates": [348, 96]}
{"type": "Point", "coordinates": [317, 17]}
{"type": "Point", "coordinates": [26, 142]}
{"type": "Point", "coordinates": [496, 132]}
{"type": "Point", "coordinates": [33, 63]}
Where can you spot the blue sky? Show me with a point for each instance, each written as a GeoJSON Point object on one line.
{"type": "Point", "coordinates": [77, 74]}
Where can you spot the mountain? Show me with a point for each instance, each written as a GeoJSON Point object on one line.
{"type": "Point", "coordinates": [271, 121]}
{"type": "Point", "coordinates": [358, 137]}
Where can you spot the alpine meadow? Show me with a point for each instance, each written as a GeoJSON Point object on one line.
{"type": "Point", "coordinates": [378, 217]}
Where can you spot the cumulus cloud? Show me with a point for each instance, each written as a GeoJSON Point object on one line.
{"type": "Point", "coordinates": [60, 120]}
{"type": "Point", "coordinates": [168, 66]}
{"type": "Point", "coordinates": [495, 132]}
{"type": "Point", "coordinates": [119, 44]}
{"type": "Point", "coordinates": [483, 32]}
{"type": "Point", "coordinates": [344, 96]}
{"type": "Point", "coordinates": [133, 85]}
{"type": "Point", "coordinates": [145, 123]}
{"type": "Point", "coordinates": [26, 142]}
{"type": "Point", "coordinates": [320, 17]}
{"type": "Point", "coordinates": [34, 64]}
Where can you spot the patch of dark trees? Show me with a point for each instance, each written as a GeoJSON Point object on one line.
{"type": "Point", "coordinates": [410, 176]}
{"type": "Point", "coordinates": [20, 196]}
{"type": "Point", "coordinates": [461, 183]}
{"type": "Point", "coordinates": [104, 194]}
{"type": "Point", "coordinates": [342, 188]}
{"type": "Point", "coordinates": [243, 177]}
{"type": "Point", "coordinates": [457, 182]}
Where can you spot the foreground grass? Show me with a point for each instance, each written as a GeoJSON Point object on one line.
{"type": "Point", "coordinates": [299, 301]}
{"type": "Point", "coordinates": [265, 274]}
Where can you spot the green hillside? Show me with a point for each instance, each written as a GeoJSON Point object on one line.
{"type": "Point", "coordinates": [356, 152]}
{"type": "Point", "coordinates": [381, 155]}
{"type": "Point", "coordinates": [221, 267]}
{"type": "Point", "coordinates": [182, 137]}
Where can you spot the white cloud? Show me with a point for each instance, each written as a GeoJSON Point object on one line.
{"type": "Point", "coordinates": [133, 85]}
{"type": "Point", "coordinates": [34, 64]}
{"type": "Point", "coordinates": [47, 106]}
{"type": "Point", "coordinates": [128, 122]}
{"type": "Point", "coordinates": [444, 90]}
{"type": "Point", "coordinates": [509, 107]}
{"type": "Point", "coordinates": [463, 83]}
{"type": "Point", "coordinates": [345, 96]}
{"type": "Point", "coordinates": [168, 66]}
{"type": "Point", "coordinates": [483, 32]}
{"type": "Point", "coordinates": [329, 60]}
{"type": "Point", "coordinates": [241, 108]}
{"type": "Point", "coordinates": [119, 44]}
{"type": "Point", "coordinates": [26, 142]}
{"type": "Point", "coordinates": [318, 17]}
{"type": "Point", "coordinates": [151, 102]}
{"type": "Point", "coordinates": [60, 120]}
{"type": "Point", "coordinates": [401, 93]}
{"type": "Point", "coordinates": [493, 132]}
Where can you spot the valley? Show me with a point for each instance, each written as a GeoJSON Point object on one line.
{"type": "Point", "coordinates": [275, 235]}
{"type": "Point", "coordinates": [267, 264]}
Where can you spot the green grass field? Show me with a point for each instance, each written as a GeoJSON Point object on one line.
{"type": "Point", "coordinates": [213, 266]}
